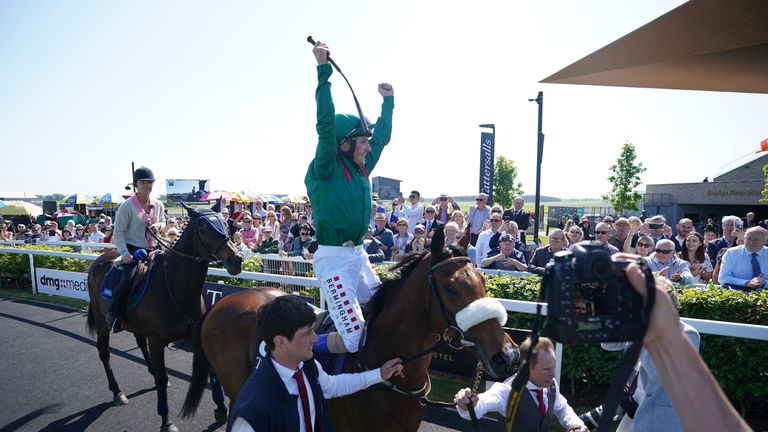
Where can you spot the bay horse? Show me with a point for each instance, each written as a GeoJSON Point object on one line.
{"type": "Point", "coordinates": [437, 290]}
{"type": "Point", "coordinates": [172, 303]}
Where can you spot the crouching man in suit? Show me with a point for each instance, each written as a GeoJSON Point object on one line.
{"type": "Point", "coordinates": [537, 406]}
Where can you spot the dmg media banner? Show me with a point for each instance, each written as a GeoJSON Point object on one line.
{"type": "Point", "coordinates": [62, 283]}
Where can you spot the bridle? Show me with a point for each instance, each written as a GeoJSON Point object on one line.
{"type": "Point", "coordinates": [460, 323]}
{"type": "Point", "coordinates": [211, 254]}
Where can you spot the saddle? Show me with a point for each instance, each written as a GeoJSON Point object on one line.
{"type": "Point", "coordinates": [139, 278]}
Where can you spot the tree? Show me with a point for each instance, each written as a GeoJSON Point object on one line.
{"type": "Point", "coordinates": [625, 178]}
{"type": "Point", "coordinates": [504, 188]}
{"type": "Point", "coordinates": [764, 199]}
{"type": "Point", "coordinates": [52, 197]}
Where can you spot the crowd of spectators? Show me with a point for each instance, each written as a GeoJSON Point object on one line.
{"type": "Point", "coordinates": [713, 253]}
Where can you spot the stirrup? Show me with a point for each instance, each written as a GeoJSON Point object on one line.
{"type": "Point", "coordinates": [113, 323]}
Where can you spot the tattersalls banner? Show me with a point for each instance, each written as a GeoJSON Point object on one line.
{"type": "Point", "coordinates": [486, 164]}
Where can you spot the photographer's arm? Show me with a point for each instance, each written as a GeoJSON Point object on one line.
{"type": "Point", "coordinates": [682, 370]}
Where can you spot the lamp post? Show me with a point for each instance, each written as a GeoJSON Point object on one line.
{"type": "Point", "coordinates": [487, 160]}
{"type": "Point", "coordinates": [539, 153]}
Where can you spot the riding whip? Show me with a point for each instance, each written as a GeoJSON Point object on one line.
{"type": "Point", "coordinates": [363, 123]}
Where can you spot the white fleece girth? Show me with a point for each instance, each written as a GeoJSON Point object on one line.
{"type": "Point", "coordinates": [481, 310]}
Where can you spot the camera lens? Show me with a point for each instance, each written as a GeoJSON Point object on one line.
{"type": "Point", "coordinates": [601, 269]}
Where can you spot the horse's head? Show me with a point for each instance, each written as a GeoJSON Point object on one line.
{"type": "Point", "coordinates": [211, 239]}
{"type": "Point", "coordinates": [458, 290]}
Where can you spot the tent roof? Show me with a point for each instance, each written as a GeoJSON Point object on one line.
{"type": "Point", "coordinates": [701, 45]}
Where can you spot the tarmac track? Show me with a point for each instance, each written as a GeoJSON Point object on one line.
{"type": "Point", "coordinates": [51, 379]}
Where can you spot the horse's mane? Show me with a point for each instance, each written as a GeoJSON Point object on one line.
{"type": "Point", "coordinates": [390, 287]}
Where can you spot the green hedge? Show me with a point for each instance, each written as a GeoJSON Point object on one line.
{"type": "Point", "coordinates": [740, 365]}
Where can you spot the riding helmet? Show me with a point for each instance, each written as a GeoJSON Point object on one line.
{"type": "Point", "coordinates": [143, 173]}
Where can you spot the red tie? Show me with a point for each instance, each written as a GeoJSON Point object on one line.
{"type": "Point", "coordinates": [299, 377]}
{"type": "Point", "coordinates": [540, 399]}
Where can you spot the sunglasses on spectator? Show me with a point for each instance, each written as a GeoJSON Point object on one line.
{"type": "Point", "coordinates": [602, 232]}
{"type": "Point", "coordinates": [412, 196]}
{"type": "Point", "coordinates": [665, 251]}
{"type": "Point", "coordinates": [495, 220]}
{"type": "Point", "coordinates": [557, 238]}
{"type": "Point", "coordinates": [304, 233]}
{"type": "Point", "coordinates": [478, 199]}
{"type": "Point", "coordinates": [430, 211]}
{"type": "Point", "coordinates": [419, 231]}
{"type": "Point", "coordinates": [644, 245]}
{"type": "Point", "coordinates": [575, 231]}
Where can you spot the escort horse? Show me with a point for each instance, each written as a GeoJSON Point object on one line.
{"type": "Point", "coordinates": [171, 304]}
{"type": "Point", "coordinates": [438, 292]}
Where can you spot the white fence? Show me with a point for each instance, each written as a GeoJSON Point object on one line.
{"type": "Point", "coordinates": [720, 328]}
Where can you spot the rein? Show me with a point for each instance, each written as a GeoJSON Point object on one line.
{"type": "Point", "coordinates": [211, 258]}
{"type": "Point", "coordinates": [211, 254]}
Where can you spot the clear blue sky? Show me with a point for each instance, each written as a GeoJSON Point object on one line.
{"type": "Point", "coordinates": [225, 90]}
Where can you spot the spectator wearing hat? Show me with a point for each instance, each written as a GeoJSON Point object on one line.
{"type": "Point", "coordinates": [420, 241]}
{"type": "Point", "coordinates": [585, 227]}
{"type": "Point", "coordinates": [508, 258]}
{"type": "Point", "coordinates": [620, 233]}
{"type": "Point", "coordinates": [444, 206]}
{"type": "Point", "coordinates": [430, 223]}
{"type": "Point", "coordinates": [413, 211]}
{"type": "Point", "coordinates": [269, 244]}
{"type": "Point", "coordinates": [383, 235]}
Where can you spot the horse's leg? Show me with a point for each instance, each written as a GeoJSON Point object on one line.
{"type": "Point", "coordinates": [141, 342]}
{"type": "Point", "coordinates": [217, 394]}
{"type": "Point", "coordinates": [157, 354]}
{"type": "Point", "coordinates": [102, 343]}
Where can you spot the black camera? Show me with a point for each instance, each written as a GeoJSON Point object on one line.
{"type": "Point", "coordinates": [589, 298]}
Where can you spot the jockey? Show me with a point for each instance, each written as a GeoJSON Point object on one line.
{"type": "Point", "coordinates": [134, 218]}
{"type": "Point", "coordinates": [338, 187]}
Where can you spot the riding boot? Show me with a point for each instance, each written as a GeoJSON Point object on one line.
{"type": "Point", "coordinates": [119, 294]}
{"type": "Point", "coordinates": [329, 343]}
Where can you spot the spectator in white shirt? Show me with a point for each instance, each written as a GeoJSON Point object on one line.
{"type": "Point", "coordinates": [413, 211]}
{"type": "Point", "coordinates": [744, 266]}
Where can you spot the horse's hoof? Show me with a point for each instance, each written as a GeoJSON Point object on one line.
{"type": "Point", "coordinates": [170, 427]}
{"type": "Point", "coordinates": [120, 400]}
{"type": "Point", "coordinates": [220, 415]}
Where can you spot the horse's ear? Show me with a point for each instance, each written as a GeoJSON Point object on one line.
{"type": "Point", "coordinates": [438, 243]}
{"type": "Point", "coordinates": [464, 242]}
{"type": "Point", "coordinates": [186, 207]}
{"type": "Point", "coordinates": [217, 207]}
